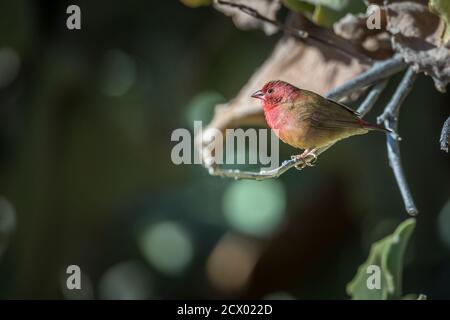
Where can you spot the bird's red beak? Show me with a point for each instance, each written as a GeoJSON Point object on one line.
{"type": "Point", "coordinates": [258, 95]}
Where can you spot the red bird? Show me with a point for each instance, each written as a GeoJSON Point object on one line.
{"type": "Point", "coordinates": [306, 120]}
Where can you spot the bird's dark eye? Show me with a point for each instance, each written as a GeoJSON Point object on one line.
{"type": "Point", "coordinates": [270, 90]}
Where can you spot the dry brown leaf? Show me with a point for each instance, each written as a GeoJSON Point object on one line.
{"type": "Point", "coordinates": [304, 65]}
{"type": "Point", "coordinates": [417, 35]}
{"type": "Point", "coordinates": [413, 31]}
{"type": "Point", "coordinates": [411, 19]}
{"type": "Point", "coordinates": [267, 8]}
{"type": "Point", "coordinates": [354, 28]}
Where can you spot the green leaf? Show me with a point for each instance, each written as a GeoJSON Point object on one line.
{"type": "Point", "coordinates": [413, 296]}
{"type": "Point", "coordinates": [332, 4]}
{"type": "Point", "coordinates": [442, 9]}
{"type": "Point", "coordinates": [325, 17]}
{"type": "Point", "coordinates": [325, 12]}
{"type": "Point", "coordinates": [386, 254]}
{"type": "Point", "coordinates": [299, 6]}
{"type": "Point", "coordinates": [196, 3]}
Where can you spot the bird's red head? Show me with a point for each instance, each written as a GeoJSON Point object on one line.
{"type": "Point", "coordinates": [276, 92]}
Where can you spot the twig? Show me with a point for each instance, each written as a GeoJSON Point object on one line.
{"type": "Point", "coordinates": [294, 32]}
{"type": "Point", "coordinates": [372, 98]}
{"type": "Point", "coordinates": [263, 174]}
{"type": "Point", "coordinates": [390, 119]}
{"type": "Point", "coordinates": [445, 135]}
{"type": "Point", "coordinates": [255, 14]}
{"type": "Point", "coordinates": [380, 70]}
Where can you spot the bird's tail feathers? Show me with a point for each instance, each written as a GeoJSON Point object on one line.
{"type": "Point", "coordinates": [370, 126]}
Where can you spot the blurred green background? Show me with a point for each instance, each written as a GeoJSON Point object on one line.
{"type": "Point", "coordinates": [86, 176]}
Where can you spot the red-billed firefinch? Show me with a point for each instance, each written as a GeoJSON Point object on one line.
{"type": "Point", "coordinates": [306, 120]}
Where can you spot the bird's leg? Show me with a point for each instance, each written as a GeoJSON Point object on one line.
{"type": "Point", "coordinates": [310, 152]}
{"type": "Point", "coordinates": [299, 166]}
{"type": "Point", "coordinates": [306, 153]}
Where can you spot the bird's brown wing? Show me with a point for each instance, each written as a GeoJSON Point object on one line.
{"type": "Point", "coordinates": [354, 112]}
{"type": "Point", "coordinates": [334, 115]}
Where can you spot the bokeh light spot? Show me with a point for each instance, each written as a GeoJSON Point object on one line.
{"type": "Point", "coordinates": [7, 223]}
{"type": "Point", "coordinates": [231, 263]}
{"type": "Point", "coordinates": [279, 295]}
{"type": "Point", "coordinates": [9, 66]}
{"type": "Point", "coordinates": [167, 246]}
{"type": "Point", "coordinates": [119, 73]}
{"type": "Point", "coordinates": [129, 280]}
{"type": "Point", "coordinates": [444, 224]}
{"type": "Point", "coordinates": [255, 208]}
{"type": "Point", "coordinates": [201, 107]}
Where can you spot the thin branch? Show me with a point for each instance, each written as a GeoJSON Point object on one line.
{"type": "Point", "coordinates": [264, 174]}
{"type": "Point", "coordinates": [445, 135]}
{"type": "Point", "coordinates": [390, 119]}
{"type": "Point", "coordinates": [255, 14]}
{"type": "Point", "coordinates": [380, 70]}
{"type": "Point", "coordinates": [392, 110]}
{"type": "Point", "coordinates": [372, 98]}
{"type": "Point", "coordinates": [294, 32]}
